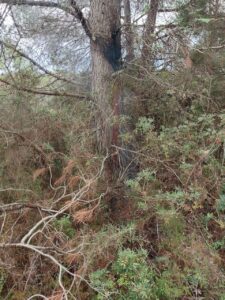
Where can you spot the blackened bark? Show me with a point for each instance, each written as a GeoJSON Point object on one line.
{"type": "Point", "coordinates": [106, 59]}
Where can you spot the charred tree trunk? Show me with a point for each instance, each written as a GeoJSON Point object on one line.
{"type": "Point", "coordinates": [129, 37]}
{"type": "Point", "coordinates": [105, 27]}
{"type": "Point", "coordinates": [148, 38]}
{"type": "Point", "coordinates": [106, 58]}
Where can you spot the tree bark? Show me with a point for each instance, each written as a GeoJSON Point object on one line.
{"type": "Point", "coordinates": [150, 24]}
{"type": "Point", "coordinates": [129, 37]}
{"type": "Point", "coordinates": [106, 58]}
{"type": "Point", "coordinates": [104, 32]}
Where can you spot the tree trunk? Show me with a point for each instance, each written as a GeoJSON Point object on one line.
{"type": "Point", "coordinates": [106, 58]}
{"type": "Point", "coordinates": [150, 24]}
{"type": "Point", "coordinates": [129, 37]}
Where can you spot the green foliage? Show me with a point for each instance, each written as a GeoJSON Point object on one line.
{"type": "Point", "coordinates": [133, 184]}
{"type": "Point", "coordinates": [131, 277]}
{"type": "Point", "coordinates": [144, 125]}
{"type": "Point", "coordinates": [167, 288]}
{"type": "Point", "coordinates": [37, 186]}
{"type": "Point", "coordinates": [218, 245]}
{"type": "Point", "coordinates": [146, 175]}
{"type": "Point", "coordinates": [178, 196]}
{"type": "Point", "coordinates": [48, 147]}
{"type": "Point", "coordinates": [172, 227]}
{"type": "Point", "coordinates": [221, 204]}
{"type": "Point", "coordinates": [103, 284]}
{"type": "Point", "coordinates": [207, 218]}
{"type": "Point", "coordinates": [194, 13]}
{"type": "Point", "coordinates": [143, 177]}
{"type": "Point", "coordinates": [171, 243]}
{"type": "Point", "coordinates": [115, 236]}
{"type": "Point", "coordinates": [146, 9]}
{"type": "Point", "coordinates": [197, 280]}
{"type": "Point", "coordinates": [134, 275]}
{"type": "Point", "coordinates": [64, 225]}
{"type": "Point", "coordinates": [2, 281]}
{"type": "Point", "coordinates": [138, 185]}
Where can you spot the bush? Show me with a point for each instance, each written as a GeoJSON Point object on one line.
{"type": "Point", "coordinates": [131, 277]}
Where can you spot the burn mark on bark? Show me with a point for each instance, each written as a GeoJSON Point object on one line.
{"type": "Point", "coordinates": [111, 49]}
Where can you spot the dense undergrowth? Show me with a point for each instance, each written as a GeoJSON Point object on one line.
{"type": "Point", "coordinates": [157, 235]}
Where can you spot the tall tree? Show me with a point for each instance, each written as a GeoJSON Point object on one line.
{"type": "Point", "coordinates": [129, 37]}
{"type": "Point", "coordinates": [104, 32]}
{"type": "Point", "coordinates": [106, 58]}
{"type": "Point", "coordinates": [150, 24]}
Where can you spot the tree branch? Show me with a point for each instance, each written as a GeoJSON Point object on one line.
{"type": "Point", "coordinates": [73, 10]}
{"type": "Point", "coordinates": [168, 10]}
{"type": "Point", "coordinates": [35, 63]}
{"type": "Point", "coordinates": [43, 92]}
{"type": "Point", "coordinates": [19, 206]}
{"type": "Point", "coordinates": [79, 15]}
{"type": "Point", "coordinates": [35, 147]}
{"type": "Point", "coordinates": [48, 4]}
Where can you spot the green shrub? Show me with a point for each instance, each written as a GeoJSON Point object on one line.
{"type": "Point", "coordinates": [132, 278]}
{"type": "Point", "coordinates": [2, 281]}
{"type": "Point", "coordinates": [221, 203]}
{"type": "Point", "coordinates": [64, 225]}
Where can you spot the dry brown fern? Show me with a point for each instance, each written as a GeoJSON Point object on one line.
{"type": "Point", "coordinates": [83, 216]}
{"type": "Point", "coordinates": [39, 172]}
{"type": "Point", "coordinates": [67, 172]}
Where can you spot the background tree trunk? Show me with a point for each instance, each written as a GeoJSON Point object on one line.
{"type": "Point", "coordinates": [106, 59]}
{"type": "Point", "coordinates": [150, 24]}
{"type": "Point", "coordinates": [129, 38]}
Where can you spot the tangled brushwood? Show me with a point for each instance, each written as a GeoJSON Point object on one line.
{"type": "Point", "coordinates": [112, 173]}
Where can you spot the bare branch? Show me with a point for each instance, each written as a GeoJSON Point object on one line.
{"type": "Point", "coordinates": [34, 146]}
{"type": "Point", "coordinates": [48, 4]}
{"type": "Point", "coordinates": [35, 63]}
{"type": "Point", "coordinates": [73, 10]}
{"type": "Point", "coordinates": [79, 15]}
{"type": "Point", "coordinates": [43, 92]}
{"type": "Point", "coordinates": [18, 206]}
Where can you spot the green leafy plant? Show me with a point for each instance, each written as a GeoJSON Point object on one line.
{"type": "Point", "coordinates": [144, 125]}
{"type": "Point", "coordinates": [2, 281]}
{"type": "Point", "coordinates": [132, 278]}
{"type": "Point", "coordinates": [172, 226]}
{"type": "Point", "coordinates": [142, 178]}
{"type": "Point", "coordinates": [218, 245]}
{"type": "Point", "coordinates": [64, 225]}
{"type": "Point", "coordinates": [197, 280]}
{"type": "Point", "coordinates": [220, 205]}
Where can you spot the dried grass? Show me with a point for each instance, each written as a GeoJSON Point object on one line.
{"type": "Point", "coordinates": [39, 172]}
{"type": "Point", "coordinates": [83, 216]}
{"type": "Point", "coordinates": [67, 172]}
{"type": "Point", "coordinates": [73, 182]}
{"type": "Point", "coordinates": [57, 296]}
